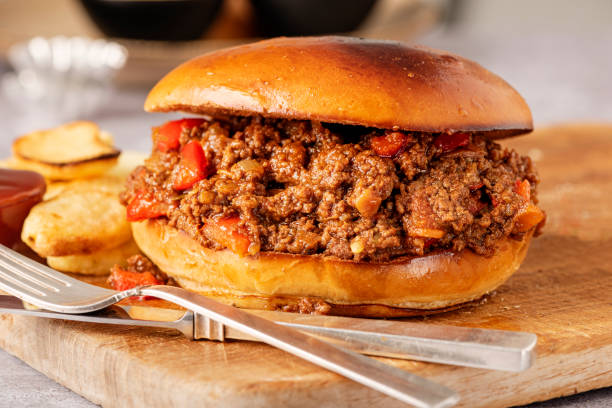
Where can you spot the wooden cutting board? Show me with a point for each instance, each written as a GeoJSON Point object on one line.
{"type": "Point", "coordinates": [563, 293]}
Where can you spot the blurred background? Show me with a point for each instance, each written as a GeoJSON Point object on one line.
{"type": "Point", "coordinates": [96, 59]}
{"type": "Point", "coordinates": [62, 60]}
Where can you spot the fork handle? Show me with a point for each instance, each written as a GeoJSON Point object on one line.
{"type": "Point", "coordinates": [389, 380]}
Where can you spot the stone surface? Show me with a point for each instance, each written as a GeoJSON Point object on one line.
{"type": "Point", "coordinates": [23, 387]}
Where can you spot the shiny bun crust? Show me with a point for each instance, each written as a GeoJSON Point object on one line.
{"type": "Point", "coordinates": [403, 287]}
{"type": "Point", "coordinates": [345, 80]}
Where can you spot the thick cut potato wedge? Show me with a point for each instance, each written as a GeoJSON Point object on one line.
{"type": "Point", "coordinates": [76, 222]}
{"type": "Point", "coordinates": [74, 150]}
{"type": "Point", "coordinates": [97, 263]}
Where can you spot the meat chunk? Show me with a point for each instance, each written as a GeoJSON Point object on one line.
{"type": "Point", "coordinates": [303, 187]}
{"type": "Point", "coordinates": [374, 180]}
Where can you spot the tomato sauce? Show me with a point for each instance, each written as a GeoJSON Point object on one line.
{"type": "Point", "coordinates": [20, 190]}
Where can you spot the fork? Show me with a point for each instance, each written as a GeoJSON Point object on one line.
{"type": "Point", "coordinates": [49, 289]}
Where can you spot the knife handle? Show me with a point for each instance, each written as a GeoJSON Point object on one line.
{"type": "Point", "coordinates": [462, 346]}
{"type": "Point", "coordinates": [456, 346]}
{"type": "Point", "coordinates": [389, 380]}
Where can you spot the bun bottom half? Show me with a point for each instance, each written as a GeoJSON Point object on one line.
{"type": "Point", "coordinates": [407, 286]}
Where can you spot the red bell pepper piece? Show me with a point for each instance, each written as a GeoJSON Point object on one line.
{"type": "Point", "coordinates": [142, 207]}
{"type": "Point", "coordinates": [448, 142]}
{"type": "Point", "coordinates": [121, 279]}
{"type": "Point", "coordinates": [528, 218]}
{"type": "Point", "coordinates": [228, 233]}
{"type": "Point", "coordinates": [476, 186]}
{"type": "Point", "coordinates": [523, 188]}
{"type": "Point", "coordinates": [170, 132]}
{"type": "Point", "coordinates": [192, 167]}
{"type": "Point", "coordinates": [390, 143]}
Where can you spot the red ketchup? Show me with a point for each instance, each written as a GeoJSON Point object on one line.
{"type": "Point", "coordinates": [20, 190]}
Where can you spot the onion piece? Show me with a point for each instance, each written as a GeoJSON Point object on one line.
{"type": "Point", "coordinates": [425, 232]}
{"type": "Point", "coordinates": [250, 166]}
{"type": "Point", "coordinates": [367, 203]}
{"type": "Point", "coordinates": [357, 246]}
{"type": "Point", "coordinates": [528, 218]}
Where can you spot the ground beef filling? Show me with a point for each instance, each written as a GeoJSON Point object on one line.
{"type": "Point", "coordinates": [348, 192]}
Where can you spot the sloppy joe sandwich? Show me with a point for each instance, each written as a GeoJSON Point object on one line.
{"type": "Point", "coordinates": [336, 175]}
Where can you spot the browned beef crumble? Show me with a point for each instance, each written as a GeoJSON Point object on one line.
{"type": "Point", "coordinates": [141, 264]}
{"type": "Point", "coordinates": [308, 306]}
{"type": "Point", "coordinates": [310, 188]}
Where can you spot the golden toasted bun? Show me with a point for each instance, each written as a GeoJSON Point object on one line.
{"type": "Point", "coordinates": [374, 83]}
{"type": "Point", "coordinates": [273, 280]}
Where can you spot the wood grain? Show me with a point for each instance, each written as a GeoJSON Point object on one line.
{"type": "Point", "coordinates": [562, 293]}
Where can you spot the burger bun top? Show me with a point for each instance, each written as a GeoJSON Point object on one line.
{"type": "Point", "coordinates": [373, 83]}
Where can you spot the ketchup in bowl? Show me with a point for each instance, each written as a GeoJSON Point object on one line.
{"type": "Point", "coordinates": [20, 190]}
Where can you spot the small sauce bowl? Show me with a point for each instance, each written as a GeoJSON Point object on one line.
{"type": "Point", "coordinates": [20, 190]}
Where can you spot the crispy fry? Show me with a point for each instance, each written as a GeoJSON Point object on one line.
{"type": "Point", "coordinates": [8, 163]}
{"type": "Point", "coordinates": [74, 150]}
{"type": "Point", "coordinates": [76, 222]}
{"type": "Point", "coordinates": [97, 263]}
{"type": "Point", "coordinates": [107, 184]}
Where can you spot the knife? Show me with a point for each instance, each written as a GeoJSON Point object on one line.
{"type": "Point", "coordinates": [471, 347]}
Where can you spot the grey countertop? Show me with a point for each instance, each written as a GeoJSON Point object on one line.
{"type": "Point", "coordinates": [557, 54]}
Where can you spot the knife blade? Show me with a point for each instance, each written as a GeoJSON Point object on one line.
{"type": "Point", "coordinates": [471, 347]}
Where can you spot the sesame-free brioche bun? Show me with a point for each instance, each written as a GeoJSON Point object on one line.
{"type": "Point", "coordinates": [403, 287]}
{"type": "Point", "coordinates": [372, 83]}
{"type": "Point", "coordinates": [382, 84]}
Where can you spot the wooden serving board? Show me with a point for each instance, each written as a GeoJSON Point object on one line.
{"type": "Point", "coordinates": [563, 293]}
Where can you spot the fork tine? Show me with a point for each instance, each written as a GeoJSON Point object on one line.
{"type": "Point", "coordinates": [14, 286]}
{"type": "Point", "coordinates": [24, 275]}
{"type": "Point", "coordinates": [38, 271]}
{"type": "Point", "coordinates": [50, 289]}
